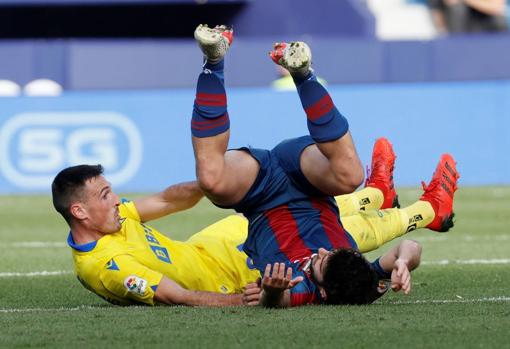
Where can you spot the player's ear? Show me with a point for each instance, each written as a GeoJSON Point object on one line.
{"type": "Point", "coordinates": [323, 293]}
{"type": "Point", "coordinates": [78, 211]}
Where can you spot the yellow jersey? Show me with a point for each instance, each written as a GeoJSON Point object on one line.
{"type": "Point", "coordinates": [126, 267]}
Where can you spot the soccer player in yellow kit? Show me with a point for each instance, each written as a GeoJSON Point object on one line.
{"type": "Point", "coordinates": [121, 259]}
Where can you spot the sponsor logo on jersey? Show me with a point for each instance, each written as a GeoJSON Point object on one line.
{"type": "Point", "coordinates": [364, 201]}
{"type": "Point", "coordinates": [159, 251]}
{"type": "Point", "coordinates": [111, 265]}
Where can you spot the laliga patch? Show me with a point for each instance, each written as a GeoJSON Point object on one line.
{"type": "Point", "coordinates": [384, 286]}
{"type": "Point", "coordinates": [136, 285]}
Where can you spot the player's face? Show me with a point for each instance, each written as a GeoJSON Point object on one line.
{"type": "Point", "coordinates": [102, 206]}
{"type": "Point", "coordinates": [318, 265]}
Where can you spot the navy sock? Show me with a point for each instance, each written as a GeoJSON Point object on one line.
{"type": "Point", "coordinates": [325, 123]}
{"type": "Point", "coordinates": [210, 116]}
{"type": "Point", "coordinates": [216, 69]}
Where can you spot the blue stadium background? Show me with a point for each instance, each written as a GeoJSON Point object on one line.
{"type": "Point", "coordinates": [128, 70]}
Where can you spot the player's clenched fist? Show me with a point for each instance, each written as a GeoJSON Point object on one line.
{"type": "Point", "coordinates": [401, 277]}
{"type": "Point", "coordinates": [251, 294]}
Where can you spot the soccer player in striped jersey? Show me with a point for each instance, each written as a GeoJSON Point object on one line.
{"type": "Point", "coordinates": [287, 193]}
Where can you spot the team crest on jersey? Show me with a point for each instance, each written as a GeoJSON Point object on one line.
{"type": "Point", "coordinates": [383, 286]}
{"type": "Point", "coordinates": [134, 284]}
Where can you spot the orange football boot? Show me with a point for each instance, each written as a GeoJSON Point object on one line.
{"type": "Point", "coordinates": [439, 193]}
{"type": "Point", "coordinates": [381, 174]}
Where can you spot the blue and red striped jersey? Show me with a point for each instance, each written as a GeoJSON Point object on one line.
{"type": "Point", "coordinates": [291, 233]}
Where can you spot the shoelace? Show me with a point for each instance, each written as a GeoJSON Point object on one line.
{"type": "Point", "coordinates": [430, 190]}
{"type": "Point", "coordinates": [377, 174]}
{"type": "Point", "coordinates": [368, 175]}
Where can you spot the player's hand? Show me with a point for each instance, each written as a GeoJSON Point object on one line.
{"type": "Point", "coordinates": [401, 277]}
{"type": "Point", "coordinates": [251, 294]}
{"type": "Point", "coordinates": [278, 280]}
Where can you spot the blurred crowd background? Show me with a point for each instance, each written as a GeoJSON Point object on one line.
{"type": "Point", "coordinates": [112, 81]}
{"type": "Point", "coordinates": [142, 42]}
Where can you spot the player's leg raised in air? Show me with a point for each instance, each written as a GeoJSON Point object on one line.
{"type": "Point", "coordinates": [332, 164]}
{"type": "Point", "coordinates": [225, 177]}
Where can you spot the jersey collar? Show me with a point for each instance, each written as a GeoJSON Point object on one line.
{"type": "Point", "coordinates": [89, 246]}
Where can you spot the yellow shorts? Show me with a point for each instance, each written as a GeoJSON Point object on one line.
{"type": "Point", "coordinates": [223, 243]}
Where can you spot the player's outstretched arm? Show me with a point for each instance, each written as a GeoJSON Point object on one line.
{"type": "Point", "coordinates": [400, 261]}
{"type": "Point", "coordinates": [276, 286]}
{"type": "Point", "coordinates": [175, 198]}
{"type": "Point", "coordinates": [171, 293]}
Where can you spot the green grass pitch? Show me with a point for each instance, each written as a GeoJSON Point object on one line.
{"type": "Point", "coordinates": [460, 296]}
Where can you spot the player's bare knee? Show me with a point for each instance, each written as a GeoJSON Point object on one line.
{"type": "Point", "coordinates": [349, 179]}
{"type": "Point", "coordinates": [357, 177]}
{"type": "Point", "coordinates": [210, 181]}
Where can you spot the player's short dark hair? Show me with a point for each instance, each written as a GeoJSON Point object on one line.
{"type": "Point", "coordinates": [349, 278]}
{"type": "Point", "coordinates": [68, 186]}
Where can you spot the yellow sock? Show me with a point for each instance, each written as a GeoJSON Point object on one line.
{"type": "Point", "coordinates": [372, 229]}
{"type": "Point", "coordinates": [418, 215]}
{"type": "Point", "coordinates": [363, 200]}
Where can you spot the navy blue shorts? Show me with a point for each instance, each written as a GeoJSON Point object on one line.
{"type": "Point", "coordinates": [280, 179]}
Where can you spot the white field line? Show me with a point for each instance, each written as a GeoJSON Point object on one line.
{"type": "Point", "coordinates": [458, 300]}
{"type": "Point", "coordinates": [424, 301]}
{"type": "Point", "coordinates": [467, 261]}
{"type": "Point", "coordinates": [49, 310]}
{"type": "Point", "coordinates": [32, 244]}
{"type": "Point", "coordinates": [35, 273]}
{"type": "Point", "coordinates": [468, 238]}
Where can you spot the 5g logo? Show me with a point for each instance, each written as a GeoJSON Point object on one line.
{"type": "Point", "coordinates": [35, 146]}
